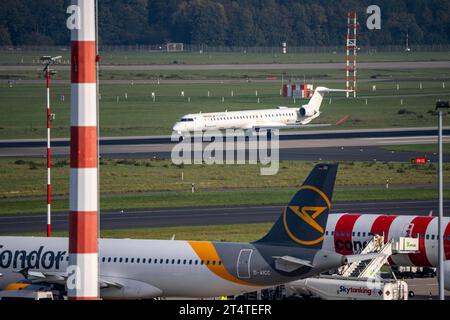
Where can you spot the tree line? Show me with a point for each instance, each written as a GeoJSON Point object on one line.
{"type": "Point", "coordinates": [229, 22]}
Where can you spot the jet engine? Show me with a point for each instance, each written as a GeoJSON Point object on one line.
{"type": "Point", "coordinates": [327, 260]}
{"type": "Point", "coordinates": [129, 289]}
{"type": "Point", "coordinates": [307, 112]}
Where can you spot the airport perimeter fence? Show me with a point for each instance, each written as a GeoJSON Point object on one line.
{"type": "Point", "coordinates": [225, 49]}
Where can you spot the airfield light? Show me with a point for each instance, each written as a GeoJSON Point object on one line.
{"type": "Point", "coordinates": [420, 161]}
{"type": "Point", "coordinates": [48, 61]}
{"type": "Point", "coordinates": [441, 107]}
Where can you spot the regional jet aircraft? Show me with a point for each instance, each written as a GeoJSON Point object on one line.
{"type": "Point", "coordinates": [280, 118]}
{"type": "Point", "coordinates": [138, 269]}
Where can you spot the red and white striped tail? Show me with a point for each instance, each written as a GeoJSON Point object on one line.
{"type": "Point", "coordinates": [83, 246]}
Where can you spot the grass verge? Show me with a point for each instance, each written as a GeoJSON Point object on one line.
{"type": "Point", "coordinates": [228, 233]}
{"type": "Point", "coordinates": [21, 178]}
{"type": "Point", "coordinates": [425, 148]}
{"type": "Point", "coordinates": [146, 57]}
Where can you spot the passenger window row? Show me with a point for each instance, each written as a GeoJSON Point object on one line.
{"type": "Point", "coordinates": [363, 234]}
{"type": "Point", "coordinates": [348, 234]}
{"type": "Point", "coordinates": [161, 261]}
{"type": "Point", "coordinates": [252, 117]}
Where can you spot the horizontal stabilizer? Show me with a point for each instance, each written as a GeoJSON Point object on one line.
{"type": "Point", "coordinates": [289, 264]}
{"type": "Point", "coordinates": [327, 90]}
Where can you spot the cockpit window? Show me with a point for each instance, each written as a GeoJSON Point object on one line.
{"type": "Point", "coordinates": [186, 120]}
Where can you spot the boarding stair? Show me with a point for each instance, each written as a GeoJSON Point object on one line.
{"type": "Point", "coordinates": [369, 268]}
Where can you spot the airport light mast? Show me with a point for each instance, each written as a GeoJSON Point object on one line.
{"type": "Point", "coordinates": [48, 61]}
{"type": "Point", "coordinates": [441, 107]}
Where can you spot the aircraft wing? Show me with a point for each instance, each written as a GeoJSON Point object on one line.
{"type": "Point", "coordinates": [290, 126]}
{"type": "Point", "coordinates": [61, 278]}
{"type": "Point", "coordinates": [122, 288]}
{"type": "Point", "coordinates": [48, 277]}
{"type": "Point", "coordinates": [289, 264]}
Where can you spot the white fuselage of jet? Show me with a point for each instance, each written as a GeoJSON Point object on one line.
{"type": "Point", "coordinates": [277, 118]}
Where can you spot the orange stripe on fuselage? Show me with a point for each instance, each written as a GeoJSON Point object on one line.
{"type": "Point", "coordinates": [206, 251]}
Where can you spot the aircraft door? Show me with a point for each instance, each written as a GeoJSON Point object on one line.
{"type": "Point", "coordinates": [407, 230]}
{"type": "Point", "coordinates": [243, 263]}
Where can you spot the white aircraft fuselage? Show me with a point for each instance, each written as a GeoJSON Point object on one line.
{"type": "Point", "coordinates": [278, 118]}
{"type": "Point", "coordinates": [135, 269]}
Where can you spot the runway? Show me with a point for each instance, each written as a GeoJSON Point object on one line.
{"type": "Point", "coordinates": [152, 218]}
{"type": "Point", "coordinates": [324, 145]}
{"type": "Point", "coordinates": [399, 65]}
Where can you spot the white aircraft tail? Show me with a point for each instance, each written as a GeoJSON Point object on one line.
{"type": "Point", "coordinates": [317, 98]}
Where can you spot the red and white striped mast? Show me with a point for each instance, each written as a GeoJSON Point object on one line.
{"type": "Point", "coordinates": [48, 72]}
{"type": "Point", "coordinates": [83, 233]}
{"type": "Point", "coordinates": [351, 43]}
{"type": "Point", "coordinates": [49, 159]}
{"type": "Point", "coordinates": [355, 51]}
{"type": "Point", "coordinates": [347, 44]}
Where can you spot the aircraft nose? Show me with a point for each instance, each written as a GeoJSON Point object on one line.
{"type": "Point", "coordinates": [178, 127]}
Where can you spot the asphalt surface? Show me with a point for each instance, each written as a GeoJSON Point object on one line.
{"type": "Point", "coordinates": [151, 218]}
{"type": "Point", "coordinates": [284, 136]}
{"type": "Point", "coordinates": [425, 289]}
{"type": "Point", "coordinates": [400, 65]}
{"type": "Point", "coordinates": [325, 145]}
{"type": "Point", "coordinates": [308, 154]}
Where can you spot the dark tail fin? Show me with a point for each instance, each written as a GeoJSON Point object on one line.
{"type": "Point", "coordinates": [304, 220]}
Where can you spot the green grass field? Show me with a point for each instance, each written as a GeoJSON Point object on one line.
{"type": "Point", "coordinates": [130, 184]}
{"type": "Point", "coordinates": [23, 106]}
{"type": "Point", "coordinates": [424, 148]}
{"type": "Point", "coordinates": [18, 178]}
{"type": "Point", "coordinates": [223, 198]}
{"type": "Point", "coordinates": [309, 75]}
{"type": "Point", "coordinates": [227, 233]}
{"type": "Point", "coordinates": [142, 57]}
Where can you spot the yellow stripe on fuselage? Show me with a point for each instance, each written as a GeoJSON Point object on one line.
{"type": "Point", "coordinates": [206, 251]}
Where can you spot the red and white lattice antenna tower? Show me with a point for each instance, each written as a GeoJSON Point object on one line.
{"type": "Point", "coordinates": [83, 233]}
{"type": "Point", "coordinates": [352, 51]}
